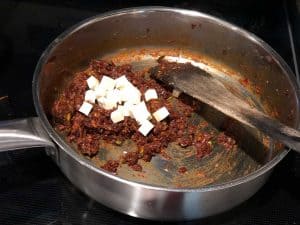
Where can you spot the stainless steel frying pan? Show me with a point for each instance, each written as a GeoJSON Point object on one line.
{"type": "Point", "coordinates": [139, 36]}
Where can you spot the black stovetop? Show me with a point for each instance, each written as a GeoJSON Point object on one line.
{"type": "Point", "coordinates": [32, 188]}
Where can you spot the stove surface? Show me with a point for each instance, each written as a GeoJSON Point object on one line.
{"type": "Point", "coordinates": [32, 188]}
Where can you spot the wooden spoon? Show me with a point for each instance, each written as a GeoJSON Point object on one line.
{"type": "Point", "coordinates": [202, 86]}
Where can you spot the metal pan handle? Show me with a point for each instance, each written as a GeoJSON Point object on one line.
{"type": "Point", "coordinates": [23, 133]}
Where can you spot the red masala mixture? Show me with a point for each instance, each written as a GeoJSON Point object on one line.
{"type": "Point", "coordinates": [86, 132]}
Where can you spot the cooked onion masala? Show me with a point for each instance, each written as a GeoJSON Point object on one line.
{"type": "Point", "coordinates": [110, 103]}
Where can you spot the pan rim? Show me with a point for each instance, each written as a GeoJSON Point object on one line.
{"type": "Point", "coordinates": [87, 163]}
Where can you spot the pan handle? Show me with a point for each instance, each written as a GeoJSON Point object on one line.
{"type": "Point", "coordinates": [23, 133]}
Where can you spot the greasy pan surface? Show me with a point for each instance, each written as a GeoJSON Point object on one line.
{"type": "Point", "coordinates": [249, 66]}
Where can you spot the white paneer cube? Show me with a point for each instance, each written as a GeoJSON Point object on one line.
{"type": "Point", "coordinates": [90, 96]}
{"type": "Point", "coordinates": [127, 109]}
{"type": "Point", "coordinates": [146, 127]}
{"type": "Point", "coordinates": [121, 109]}
{"type": "Point", "coordinates": [140, 112]}
{"type": "Point", "coordinates": [130, 94]}
{"type": "Point", "coordinates": [122, 82]}
{"type": "Point", "coordinates": [117, 116]}
{"type": "Point", "coordinates": [109, 105]}
{"type": "Point", "coordinates": [114, 96]}
{"type": "Point", "coordinates": [106, 104]}
{"type": "Point", "coordinates": [101, 100]}
{"type": "Point", "coordinates": [161, 114]}
{"type": "Point", "coordinates": [92, 82]}
{"type": "Point", "coordinates": [100, 92]}
{"type": "Point", "coordinates": [150, 94]}
{"type": "Point", "coordinates": [86, 108]}
{"type": "Point", "coordinates": [107, 83]}
{"type": "Point", "coordinates": [117, 94]}
{"type": "Point", "coordinates": [124, 94]}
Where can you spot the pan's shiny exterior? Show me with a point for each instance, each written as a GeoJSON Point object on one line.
{"type": "Point", "coordinates": [171, 28]}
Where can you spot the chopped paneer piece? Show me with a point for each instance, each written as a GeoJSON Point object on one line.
{"type": "Point", "coordinates": [131, 94]}
{"type": "Point", "coordinates": [107, 83]}
{"type": "Point", "coordinates": [161, 114]}
{"type": "Point", "coordinates": [127, 109]}
{"type": "Point", "coordinates": [117, 116]}
{"type": "Point", "coordinates": [140, 112]}
{"type": "Point", "coordinates": [92, 82]}
{"type": "Point", "coordinates": [146, 127]}
{"type": "Point", "coordinates": [122, 82]}
{"type": "Point", "coordinates": [86, 108]}
{"type": "Point", "coordinates": [90, 96]}
{"type": "Point", "coordinates": [100, 91]}
{"type": "Point", "coordinates": [150, 94]}
{"type": "Point", "coordinates": [114, 96]}
{"type": "Point", "coordinates": [106, 103]}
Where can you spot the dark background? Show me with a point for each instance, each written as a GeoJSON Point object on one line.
{"type": "Point", "coordinates": [33, 190]}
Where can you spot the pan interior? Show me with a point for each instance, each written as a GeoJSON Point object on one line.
{"type": "Point", "coordinates": [234, 56]}
{"type": "Point", "coordinates": [254, 149]}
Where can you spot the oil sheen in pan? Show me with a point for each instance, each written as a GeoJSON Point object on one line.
{"type": "Point", "coordinates": [218, 167]}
